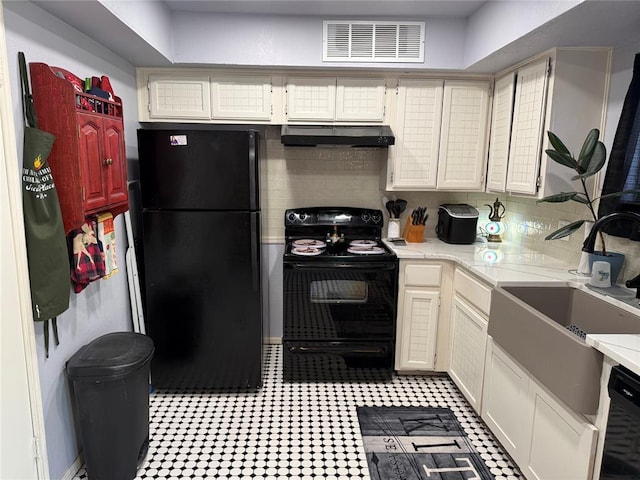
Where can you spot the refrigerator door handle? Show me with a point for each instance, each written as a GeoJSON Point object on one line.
{"type": "Point", "coordinates": [255, 250]}
{"type": "Point", "coordinates": [253, 172]}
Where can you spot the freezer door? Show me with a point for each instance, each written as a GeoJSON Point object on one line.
{"type": "Point", "coordinates": [203, 298]}
{"type": "Point", "coordinates": [198, 169]}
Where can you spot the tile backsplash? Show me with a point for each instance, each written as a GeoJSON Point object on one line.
{"type": "Point", "coordinates": [293, 177]}
{"type": "Point", "coordinates": [528, 223]}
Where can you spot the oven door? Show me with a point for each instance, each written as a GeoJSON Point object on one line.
{"type": "Point", "coordinates": [339, 319]}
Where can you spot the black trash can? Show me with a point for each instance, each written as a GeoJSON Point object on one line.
{"type": "Point", "coordinates": [110, 379]}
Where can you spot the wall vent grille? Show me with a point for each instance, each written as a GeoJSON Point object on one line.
{"type": "Point", "coordinates": [361, 41]}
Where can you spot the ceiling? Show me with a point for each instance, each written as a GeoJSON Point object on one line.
{"type": "Point", "coordinates": [612, 23]}
{"type": "Point", "coordinates": [376, 8]}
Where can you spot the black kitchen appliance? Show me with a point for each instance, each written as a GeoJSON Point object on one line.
{"type": "Point", "coordinates": [457, 223]}
{"type": "Point", "coordinates": [377, 136]}
{"type": "Point", "coordinates": [621, 452]}
{"type": "Point", "coordinates": [201, 256]}
{"type": "Point", "coordinates": [339, 296]}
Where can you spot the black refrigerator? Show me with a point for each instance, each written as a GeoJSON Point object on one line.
{"type": "Point", "coordinates": [201, 257]}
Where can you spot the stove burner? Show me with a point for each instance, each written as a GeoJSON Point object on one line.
{"type": "Point", "coordinates": [310, 251]}
{"type": "Point", "coordinates": [363, 243]}
{"type": "Point", "coordinates": [369, 250]}
{"type": "Point", "coordinates": [307, 242]}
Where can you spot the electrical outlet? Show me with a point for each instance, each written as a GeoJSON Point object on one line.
{"type": "Point", "coordinates": [562, 223]}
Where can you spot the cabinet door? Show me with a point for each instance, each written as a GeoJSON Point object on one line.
{"type": "Point", "coordinates": [241, 98]}
{"type": "Point", "coordinates": [181, 97]}
{"type": "Point", "coordinates": [561, 444]}
{"type": "Point", "coordinates": [527, 129]}
{"type": "Point", "coordinates": [468, 348]}
{"type": "Point", "coordinates": [505, 407]}
{"type": "Point", "coordinates": [463, 141]}
{"type": "Point", "coordinates": [116, 161]}
{"type": "Point", "coordinates": [93, 163]}
{"type": "Point", "coordinates": [311, 98]}
{"type": "Point", "coordinates": [414, 158]}
{"type": "Point", "coordinates": [500, 132]}
{"type": "Point", "coordinates": [360, 99]}
{"type": "Point", "coordinates": [419, 323]}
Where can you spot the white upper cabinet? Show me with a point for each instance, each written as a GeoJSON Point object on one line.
{"type": "Point", "coordinates": [241, 97]}
{"type": "Point", "coordinates": [311, 98]}
{"type": "Point", "coordinates": [329, 99]}
{"type": "Point", "coordinates": [179, 96]}
{"type": "Point", "coordinates": [502, 111]}
{"type": "Point", "coordinates": [527, 128]}
{"type": "Point", "coordinates": [441, 135]}
{"type": "Point", "coordinates": [413, 161]}
{"type": "Point", "coordinates": [564, 91]}
{"type": "Point", "coordinates": [360, 99]}
{"type": "Point", "coordinates": [203, 96]}
{"type": "Point", "coordinates": [463, 138]}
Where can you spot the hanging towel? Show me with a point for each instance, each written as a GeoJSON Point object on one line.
{"type": "Point", "coordinates": [107, 236]}
{"type": "Point", "coordinates": [87, 258]}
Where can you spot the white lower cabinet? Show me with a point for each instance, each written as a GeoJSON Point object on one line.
{"type": "Point", "coordinates": [469, 321]}
{"type": "Point", "coordinates": [545, 439]}
{"type": "Point", "coordinates": [419, 329]}
{"type": "Point", "coordinates": [422, 330]}
{"type": "Point", "coordinates": [468, 347]}
{"type": "Point", "coordinates": [504, 400]}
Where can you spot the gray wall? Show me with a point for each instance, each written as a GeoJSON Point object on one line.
{"type": "Point", "coordinates": [267, 40]}
{"type": "Point", "coordinates": [103, 306]}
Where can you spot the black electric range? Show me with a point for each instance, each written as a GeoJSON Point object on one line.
{"type": "Point", "coordinates": [339, 296]}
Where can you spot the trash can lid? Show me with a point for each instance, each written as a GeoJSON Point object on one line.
{"type": "Point", "coordinates": [111, 355]}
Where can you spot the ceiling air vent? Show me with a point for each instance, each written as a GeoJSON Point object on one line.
{"type": "Point", "coordinates": [360, 41]}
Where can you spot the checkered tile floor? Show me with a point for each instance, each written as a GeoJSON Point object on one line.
{"type": "Point", "coordinates": [290, 430]}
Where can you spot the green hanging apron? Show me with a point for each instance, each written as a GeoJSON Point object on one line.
{"type": "Point", "coordinates": [46, 242]}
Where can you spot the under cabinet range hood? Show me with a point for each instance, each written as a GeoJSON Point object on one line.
{"type": "Point", "coordinates": [337, 135]}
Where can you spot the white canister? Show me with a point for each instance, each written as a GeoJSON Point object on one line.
{"type": "Point", "coordinates": [393, 228]}
{"type": "Point", "coordinates": [600, 274]}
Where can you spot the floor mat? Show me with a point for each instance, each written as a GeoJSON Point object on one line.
{"type": "Point", "coordinates": [416, 443]}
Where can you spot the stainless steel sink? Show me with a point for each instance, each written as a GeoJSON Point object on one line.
{"type": "Point", "coordinates": [531, 324]}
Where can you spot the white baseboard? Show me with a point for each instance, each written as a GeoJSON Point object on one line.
{"type": "Point", "coordinates": [73, 469]}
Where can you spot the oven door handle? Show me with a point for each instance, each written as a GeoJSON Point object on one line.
{"type": "Point", "coordinates": [360, 350]}
{"type": "Point", "coordinates": [350, 266]}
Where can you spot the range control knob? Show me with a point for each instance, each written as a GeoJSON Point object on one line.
{"type": "Point", "coordinates": [292, 217]}
{"type": "Point", "coordinates": [376, 218]}
{"type": "Point", "coordinates": [303, 216]}
{"type": "Point", "coordinates": [365, 217]}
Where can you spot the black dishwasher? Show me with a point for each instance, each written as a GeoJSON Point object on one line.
{"type": "Point", "coordinates": [621, 454]}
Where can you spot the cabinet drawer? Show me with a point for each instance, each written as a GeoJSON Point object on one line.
{"type": "Point", "coordinates": [476, 292]}
{"type": "Point", "coordinates": [423, 275]}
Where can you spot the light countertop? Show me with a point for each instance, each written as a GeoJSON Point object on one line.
{"type": "Point", "coordinates": [502, 264]}
{"type": "Point", "coordinates": [622, 348]}
{"type": "Point", "coordinates": [498, 264]}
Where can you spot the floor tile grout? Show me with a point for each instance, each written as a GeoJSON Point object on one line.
{"type": "Point", "coordinates": [290, 430]}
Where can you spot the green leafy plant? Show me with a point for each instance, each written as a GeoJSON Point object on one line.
{"type": "Point", "coordinates": [590, 161]}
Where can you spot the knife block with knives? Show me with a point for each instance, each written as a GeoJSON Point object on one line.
{"type": "Point", "coordinates": [414, 228]}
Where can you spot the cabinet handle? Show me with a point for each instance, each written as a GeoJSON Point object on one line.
{"type": "Point", "coordinates": [108, 161]}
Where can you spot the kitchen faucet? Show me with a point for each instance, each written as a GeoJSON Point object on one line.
{"type": "Point", "coordinates": [590, 242]}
